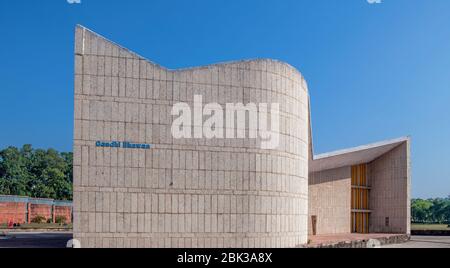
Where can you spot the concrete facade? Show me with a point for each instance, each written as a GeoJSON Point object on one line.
{"type": "Point", "coordinates": [329, 201]}
{"type": "Point", "coordinates": [390, 196]}
{"type": "Point", "coordinates": [184, 192]}
{"type": "Point", "coordinates": [219, 193]}
{"type": "Point", "coordinates": [389, 175]}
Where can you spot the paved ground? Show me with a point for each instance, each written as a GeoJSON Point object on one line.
{"type": "Point", "coordinates": [35, 240]}
{"type": "Point", "coordinates": [59, 240]}
{"type": "Point", "coordinates": [339, 238]}
{"type": "Point", "coordinates": [425, 242]}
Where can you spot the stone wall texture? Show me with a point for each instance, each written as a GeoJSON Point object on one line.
{"type": "Point", "coordinates": [184, 192]}
{"type": "Point", "coordinates": [390, 198]}
{"type": "Point", "coordinates": [330, 201]}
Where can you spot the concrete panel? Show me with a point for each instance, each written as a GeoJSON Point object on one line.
{"type": "Point", "coordinates": [390, 198]}
{"type": "Point", "coordinates": [330, 201]}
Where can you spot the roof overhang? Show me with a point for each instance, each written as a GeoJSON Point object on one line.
{"type": "Point", "coordinates": [354, 156]}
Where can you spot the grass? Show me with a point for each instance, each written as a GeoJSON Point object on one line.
{"type": "Point", "coordinates": [39, 226]}
{"type": "Point", "coordinates": [430, 227]}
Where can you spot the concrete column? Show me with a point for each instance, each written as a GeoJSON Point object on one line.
{"type": "Point", "coordinates": [28, 212]}
{"type": "Point", "coordinates": [53, 214]}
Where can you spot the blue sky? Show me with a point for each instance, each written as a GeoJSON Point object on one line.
{"type": "Point", "coordinates": [375, 72]}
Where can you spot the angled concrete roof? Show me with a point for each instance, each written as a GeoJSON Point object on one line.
{"type": "Point", "coordinates": [354, 156]}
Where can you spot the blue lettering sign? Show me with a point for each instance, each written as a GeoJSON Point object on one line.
{"type": "Point", "coordinates": [125, 145]}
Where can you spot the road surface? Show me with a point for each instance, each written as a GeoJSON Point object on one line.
{"type": "Point", "coordinates": [35, 240]}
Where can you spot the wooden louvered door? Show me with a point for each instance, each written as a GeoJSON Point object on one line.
{"type": "Point", "coordinates": [360, 200]}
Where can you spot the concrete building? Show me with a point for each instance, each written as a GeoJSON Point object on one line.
{"type": "Point", "coordinates": [135, 185]}
{"type": "Point", "coordinates": [371, 183]}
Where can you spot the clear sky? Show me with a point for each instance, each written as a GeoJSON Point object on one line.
{"type": "Point", "coordinates": [375, 71]}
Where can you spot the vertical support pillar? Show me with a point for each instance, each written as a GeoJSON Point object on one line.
{"type": "Point", "coordinates": [53, 214]}
{"type": "Point", "coordinates": [28, 212]}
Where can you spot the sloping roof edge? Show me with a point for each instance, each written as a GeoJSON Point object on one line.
{"type": "Point", "coordinates": [355, 155]}
{"type": "Point", "coordinates": [361, 148]}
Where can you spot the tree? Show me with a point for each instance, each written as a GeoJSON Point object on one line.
{"type": "Point", "coordinates": [36, 173]}
{"type": "Point", "coordinates": [447, 211]}
{"type": "Point", "coordinates": [13, 172]}
{"type": "Point", "coordinates": [438, 210]}
{"type": "Point", "coordinates": [421, 210]}
{"type": "Point", "coordinates": [431, 211]}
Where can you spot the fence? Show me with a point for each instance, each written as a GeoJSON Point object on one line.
{"type": "Point", "coordinates": [22, 210]}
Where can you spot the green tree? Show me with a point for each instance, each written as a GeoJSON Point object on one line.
{"type": "Point", "coordinates": [13, 172]}
{"type": "Point", "coordinates": [36, 173]}
{"type": "Point", "coordinates": [438, 210]}
{"type": "Point", "coordinates": [431, 211]}
{"type": "Point", "coordinates": [447, 211]}
{"type": "Point", "coordinates": [421, 210]}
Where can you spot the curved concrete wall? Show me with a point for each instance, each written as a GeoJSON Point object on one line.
{"type": "Point", "coordinates": [184, 192]}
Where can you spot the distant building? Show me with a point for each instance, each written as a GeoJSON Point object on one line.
{"type": "Point", "coordinates": [137, 186]}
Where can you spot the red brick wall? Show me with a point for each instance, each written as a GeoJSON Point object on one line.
{"type": "Point", "coordinates": [64, 211]}
{"type": "Point", "coordinates": [41, 210]}
{"type": "Point", "coordinates": [15, 212]}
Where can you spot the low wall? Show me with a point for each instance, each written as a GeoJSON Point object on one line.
{"type": "Point", "coordinates": [21, 210]}
{"type": "Point", "coordinates": [65, 212]}
{"type": "Point", "coordinates": [16, 212]}
{"type": "Point", "coordinates": [42, 210]}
